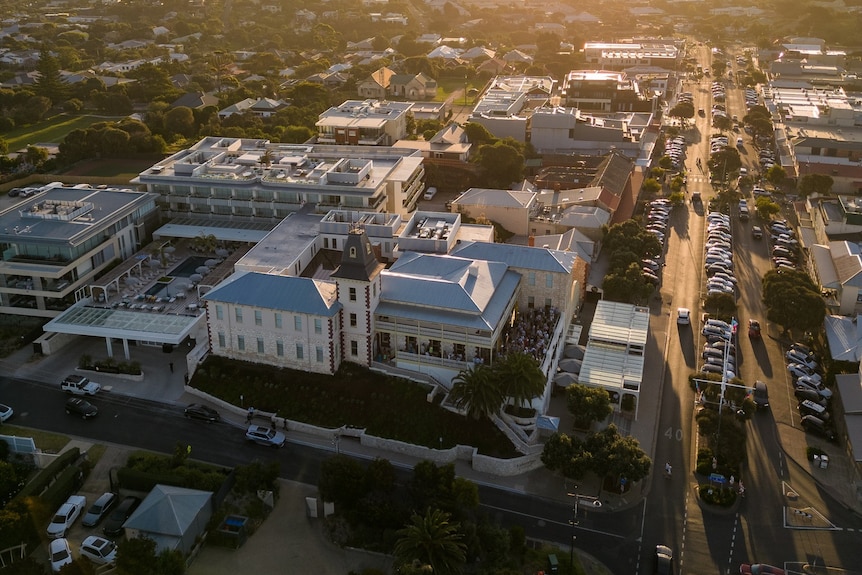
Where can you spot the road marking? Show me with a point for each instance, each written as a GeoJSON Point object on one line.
{"type": "Point", "coordinates": [549, 521]}
{"type": "Point", "coordinates": [733, 539]}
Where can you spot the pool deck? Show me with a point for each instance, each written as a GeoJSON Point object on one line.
{"type": "Point", "coordinates": [112, 291]}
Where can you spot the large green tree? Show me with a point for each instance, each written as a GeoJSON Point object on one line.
{"type": "Point", "coordinates": [792, 300]}
{"type": "Point", "coordinates": [588, 404]}
{"type": "Point", "coordinates": [605, 453]}
{"type": "Point", "coordinates": [50, 83]}
{"type": "Point", "coordinates": [434, 540]}
{"type": "Point", "coordinates": [521, 376]}
{"type": "Point", "coordinates": [503, 164]}
{"type": "Point", "coordinates": [478, 390]}
{"type": "Point", "coordinates": [820, 184]}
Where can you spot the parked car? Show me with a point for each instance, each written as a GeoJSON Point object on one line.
{"type": "Point", "coordinates": [65, 516]}
{"type": "Point", "coordinates": [202, 412]}
{"type": "Point", "coordinates": [815, 384]}
{"type": "Point", "coordinates": [265, 436]}
{"type": "Point", "coordinates": [794, 356]}
{"type": "Point", "coordinates": [99, 509]}
{"type": "Point", "coordinates": [114, 524]}
{"type": "Point", "coordinates": [757, 232]}
{"type": "Point", "coordinates": [761, 395]}
{"type": "Point", "coordinates": [798, 370]}
{"type": "Point", "coordinates": [802, 392]}
{"type": "Point", "coordinates": [5, 412]}
{"type": "Point", "coordinates": [759, 569]}
{"type": "Point", "coordinates": [99, 550]}
{"type": "Point", "coordinates": [808, 407]}
{"type": "Point", "coordinates": [817, 426]}
{"type": "Point", "coordinates": [82, 407]}
{"type": "Point", "coordinates": [59, 554]}
{"type": "Point", "coordinates": [80, 385]}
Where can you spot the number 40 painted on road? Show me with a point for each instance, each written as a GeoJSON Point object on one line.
{"type": "Point", "coordinates": [670, 434]}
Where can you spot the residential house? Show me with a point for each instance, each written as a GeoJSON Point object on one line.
{"type": "Point", "coordinates": [364, 122]}
{"type": "Point", "coordinates": [262, 107]}
{"type": "Point", "coordinates": [412, 86]}
{"type": "Point", "coordinates": [450, 146]}
{"type": "Point", "coordinates": [511, 209]}
{"type": "Point", "coordinates": [837, 268]}
{"type": "Point", "coordinates": [376, 85]}
{"type": "Point", "coordinates": [195, 100]}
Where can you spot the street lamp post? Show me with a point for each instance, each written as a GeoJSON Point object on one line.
{"type": "Point", "coordinates": [594, 501]}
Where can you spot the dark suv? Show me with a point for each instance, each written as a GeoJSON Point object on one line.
{"type": "Point", "coordinates": [761, 395]}
{"type": "Point", "coordinates": [817, 426]}
{"type": "Point", "coordinates": [114, 524]}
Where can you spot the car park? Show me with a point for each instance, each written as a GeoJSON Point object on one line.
{"type": "Point", "coordinates": [722, 345]}
{"type": "Point", "coordinates": [99, 509]}
{"type": "Point", "coordinates": [817, 426]}
{"type": "Point", "coordinates": [66, 516]}
{"type": "Point", "coordinates": [265, 436]}
{"type": "Point", "coordinates": [712, 330]}
{"type": "Point", "coordinates": [802, 392]}
{"type": "Point", "coordinates": [202, 412]}
{"type": "Point", "coordinates": [802, 348]}
{"type": "Point", "coordinates": [114, 524]}
{"type": "Point", "coordinates": [709, 351]}
{"type": "Point", "coordinates": [718, 267]}
{"type": "Point", "coordinates": [82, 407]}
{"type": "Point", "coordinates": [725, 276]}
{"type": "Point", "coordinates": [59, 554]}
{"type": "Point", "coordinates": [99, 550]}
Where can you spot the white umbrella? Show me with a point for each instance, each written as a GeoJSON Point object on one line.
{"type": "Point", "coordinates": [169, 249]}
{"type": "Point", "coordinates": [202, 270]}
{"type": "Point", "coordinates": [154, 263]}
{"type": "Point", "coordinates": [129, 280]}
{"type": "Point", "coordinates": [196, 277]}
{"type": "Point", "coordinates": [222, 253]}
{"type": "Point", "coordinates": [570, 365]}
{"type": "Point", "coordinates": [211, 263]}
{"type": "Point", "coordinates": [574, 352]}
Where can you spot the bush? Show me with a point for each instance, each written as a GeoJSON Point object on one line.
{"type": "Point", "coordinates": [66, 484]}
{"type": "Point", "coordinates": [46, 476]}
{"type": "Point", "coordinates": [721, 496]}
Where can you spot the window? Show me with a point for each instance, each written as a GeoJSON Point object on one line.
{"type": "Point", "coordinates": [326, 243]}
{"type": "Point", "coordinates": [531, 278]}
{"type": "Point", "coordinates": [353, 252]}
{"type": "Point", "coordinates": [549, 280]}
{"type": "Point", "coordinates": [278, 321]}
{"type": "Point", "coordinates": [297, 323]}
{"type": "Point", "coordinates": [318, 327]}
{"type": "Point", "coordinates": [319, 352]}
{"type": "Point", "coordinates": [258, 317]}
{"type": "Point", "coordinates": [547, 303]}
{"type": "Point", "coordinates": [354, 347]}
{"type": "Point", "coordinates": [531, 302]}
{"type": "Point", "coordinates": [240, 342]}
{"type": "Point", "coordinates": [353, 320]}
{"type": "Point", "coordinates": [238, 313]}
{"type": "Point", "coordinates": [279, 348]}
{"type": "Point", "coordinates": [352, 294]}
{"type": "Point", "coordinates": [260, 348]}
{"type": "Point", "coordinates": [374, 290]}
{"type": "Point", "coordinates": [299, 351]}
{"type": "Point", "coordinates": [219, 312]}
{"type": "Point", "coordinates": [221, 339]}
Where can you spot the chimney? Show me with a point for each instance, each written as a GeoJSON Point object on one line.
{"type": "Point", "coordinates": [531, 241]}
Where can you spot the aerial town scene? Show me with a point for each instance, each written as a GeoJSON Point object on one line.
{"type": "Point", "coordinates": [382, 287]}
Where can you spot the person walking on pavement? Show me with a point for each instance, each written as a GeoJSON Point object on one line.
{"type": "Point", "coordinates": [171, 366]}
{"type": "Point", "coordinates": [250, 415]}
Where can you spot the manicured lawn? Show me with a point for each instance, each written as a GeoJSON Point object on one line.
{"type": "Point", "coordinates": [52, 130]}
{"type": "Point", "coordinates": [384, 406]}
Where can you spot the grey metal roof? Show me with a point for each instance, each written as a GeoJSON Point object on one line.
{"type": "Point", "coordinates": [521, 257]}
{"type": "Point", "coordinates": [168, 510]}
{"type": "Point", "coordinates": [620, 323]}
{"type": "Point", "coordinates": [127, 324]}
{"type": "Point", "coordinates": [449, 290]}
{"type": "Point", "coordinates": [285, 293]}
{"type": "Point", "coordinates": [96, 209]}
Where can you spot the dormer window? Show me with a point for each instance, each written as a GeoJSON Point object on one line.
{"type": "Point", "coordinates": [353, 252]}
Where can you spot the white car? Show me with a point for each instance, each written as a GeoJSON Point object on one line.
{"type": "Point", "coordinates": [99, 550]}
{"type": "Point", "coordinates": [814, 384]}
{"type": "Point", "coordinates": [794, 356]}
{"type": "Point", "coordinates": [5, 412]}
{"type": "Point", "coordinates": [683, 316]}
{"type": "Point", "coordinates": [80, 385]}
{"type": "Point", "coordinates": [59, 554]}
{"type": "Point", "coordinates": [65, 516]}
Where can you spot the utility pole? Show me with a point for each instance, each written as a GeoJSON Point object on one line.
{"type": "Point", "coordinates": [594, 501]}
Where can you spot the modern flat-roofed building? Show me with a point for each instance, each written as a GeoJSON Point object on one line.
{"type": "Point", "coordinates": [58, 240]}
{"type": "Point", "coordinates": [364, 123]}
{"type": "Point", "coordinates": [251, 179]}
{"type": "Point", "coordinates": [603, 91]}
{"type": "Point", "coordinates": [621, 55]}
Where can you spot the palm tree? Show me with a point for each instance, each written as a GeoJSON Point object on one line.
{"type": "Point", "coordinates": [522, 376]}
{"type": "Point", "coordinates": [479, 390]}
{"type": "Point", "coordinates": [433, 540]}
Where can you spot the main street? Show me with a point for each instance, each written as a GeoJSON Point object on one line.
{"type": "Point", "coordinates": [757, 530]}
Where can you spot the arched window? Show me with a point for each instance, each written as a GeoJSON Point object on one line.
{"type": "Point", "coordinates": [353, 252]}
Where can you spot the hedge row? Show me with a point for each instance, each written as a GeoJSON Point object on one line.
{"type": "Point", "coordinates": [43, 478]}
{"type": "Point", "coordinates": [69, 480]}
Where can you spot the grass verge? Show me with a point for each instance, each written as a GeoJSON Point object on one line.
{"type": "Point", "coordinates": [45, 440]}
{"type": "Point", "coordinates": [52, 130]}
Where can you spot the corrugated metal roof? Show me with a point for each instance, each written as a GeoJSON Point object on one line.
{"type": "Point", "coordinates": [620, 323]}
{"type": "Point", "coordinates": [168, 510]}
{"type": "Point", "coordinates": [848, 269]}
{"type": "Point", "coordinates": [611, 368]}
{"type": "Point", "coordinates": [444, 282]}
{"type": "Point", "coordinates": [496, 198]}
{"type": "Point", "coordinates": [825, 266]}
{"type": "Point", "coordinates": [285, 293]}
{"type": "Point", "coordinates": [522, 257]}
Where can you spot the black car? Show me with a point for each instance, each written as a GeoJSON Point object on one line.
{"type": "Point", "coordinates": [202, 412]}
{"type": "Point", "coordinates": [761, 395]}
{"type": "Point", "coordinates": [82, 407]}
{"type": "Point", "coordinates": [817, 426]}
{"type": "Point", "coordinates": [114, 524]}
